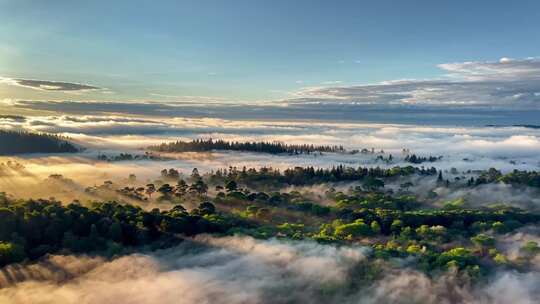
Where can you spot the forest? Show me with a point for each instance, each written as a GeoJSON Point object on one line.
{"type": "Point", "coordinates": [16, 142]}
{"type": "Point", "coordinates": [202, 145]}
{"type": "Point", "coordinates": [241, 202]}
{"type": "Point", "coordinates": [404, 215]}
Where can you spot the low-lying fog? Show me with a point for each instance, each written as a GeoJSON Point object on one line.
{"type": "Point", "coordinates": [244, 270]}
{"type": "Point", "coordinates": [463, 148]}
{"type": "Point", "coordinates": [480, 146]}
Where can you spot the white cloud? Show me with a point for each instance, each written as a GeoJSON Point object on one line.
{"type": "Point", "coordinates": [507, 83]}
{"type": "Point", "coordinates": [48, 85]}
{"type": "Point", "coordinates": [506, 148]}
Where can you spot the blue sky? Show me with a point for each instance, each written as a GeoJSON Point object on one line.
{"type": "Point", "coordinates": [251, 50]}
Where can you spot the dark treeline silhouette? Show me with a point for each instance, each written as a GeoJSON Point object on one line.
{"type": "Point", "coordinates": [414, 159]}
{"type": "Point", "coordinates": [201, 145]}
{"type": "Point", "coordinates": [529, 126]}
{"type": "Point", "coordinates": [15, 142]}
{"type": "Point", "coordinates": [129, 156]}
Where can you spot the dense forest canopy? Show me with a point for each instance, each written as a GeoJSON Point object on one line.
{"type": "Point", "coordinates": [394, 225]}
{"type": "Point", "coordinates": [16, 142]}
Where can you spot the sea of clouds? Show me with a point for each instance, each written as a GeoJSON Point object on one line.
{"type": "Point", "coordinates": [481, 146]}
{"type": "Point", "coordinates": [461, 147]}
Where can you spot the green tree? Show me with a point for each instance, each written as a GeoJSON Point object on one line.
{"type": "Point", "coordinates": [355, 229]}
{"type": "Point", "coordinates": [115, 232]}
{"type": "Point", "coordinates": [375, 227]}
{"type": "Point", "coordinates": [206, 208]}
{"type": "Point", "coordinates": [483, 240]}
{"type": "Point", "coordinates": [530, 248]}
{"type": "Point", "coordinates": [199, 187]}
{"type": "Point", "coordinates": [7, 223]}
{"type": "Point", "coordinates": [373, 184]}
{"type": "Point", "coordinates": [165, 190]}
{"type": "Point", "coordinates": [396, 226]}
{"type": "Point", "coordinates": [195, 174]}
{"type": "Point", "coordinates": [459, 257]}
{"type": "Point", "coordinates": [11, 253]}
{"type": "Point", "coordinates": [150, 189]}
{"type": "Point", "coordinates": [181, 188]}
{"type": "Point", "coordinates": [231, 186]}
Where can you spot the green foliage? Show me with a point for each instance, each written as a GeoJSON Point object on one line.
{"type": "Point", "coordinates": [530, 248]}
{"type": "Point", "coordinates": [34, 228]}
{"type": "Point", "coordinates": [456, 257]}
{"type": "Point", "coordinates": [231, 186]}
{"type": "Point", "coordinates": [291, 230]}
{"type": "Point", "coordinates": [527, 178]}
{"type": "Point", "coordinates": [312, 208]}
{"type": "Point", "coordinates": [267, 177]}
{"type": "Point", "coordinates": [499, 227]}
{"type": "Point", "coordinates": [373, 184]}
{"type": "Point", "coordinates": [356, 229]}
{"type": "Point", "coordinates": [375, 227]}
{"type": "Point", "coordinates": [396, 226]}
{"type": "Point", "coordinates": [393, 224]}
{"type": "Point", "coordinates": [455, 204]}
{"type": "Point", "coordinates": [11, 253]}
{"type": "Point", "coordinates": [500, 259]}
{"type": "Point", "coordinates": [205, 208]}
{"type": "Point", "coordinates": [414, 249]}
{"type": "Point", "coordinates": [7, 223]}
{"type": "Point", "coordinates": [431, 232]}
{"type": "Point", "coordinates": [483, 240]}
{"type": "Point", "coordinates": [516, 178]}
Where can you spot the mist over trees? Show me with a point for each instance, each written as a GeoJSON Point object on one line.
{"type": "Point", "coordinates": [380, 212]}
{"type": "Point", "coordinates": [394, 225]}
{"type": "Point", "coordinates": [392, 213]}
{"type": "Point", "coordinates": [414, 159]}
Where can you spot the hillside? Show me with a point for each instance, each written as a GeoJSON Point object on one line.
{"type": "Point", "coordinates": [15, 142]}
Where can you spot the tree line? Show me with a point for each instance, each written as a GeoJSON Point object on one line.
{"type": "Point", "coordinates": [516, 178]}
{"type": "Point", "coordinates": [16, 142]}
{"type": "Point", "coordinates": [301, 176]}
{"type": "Point", "coordinates": [414, 159]}
{"type": "Point", "coordinates": [203, 145]}
{"type": "Point", "coordinates": [32, 228]}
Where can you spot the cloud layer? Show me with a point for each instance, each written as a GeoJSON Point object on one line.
{"type": "Point", "coordinates": [48, 85]}
{"type": "Point", "coordinates": [494, 92]}
{"type": "Point", "coordinates": [505, 84]}
{"type": "Point", "coordinates": [506, 148]}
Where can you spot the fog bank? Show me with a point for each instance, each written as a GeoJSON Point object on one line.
{"type": "Point", "coordinates": [245, 270]}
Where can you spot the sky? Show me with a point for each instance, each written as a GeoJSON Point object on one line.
{"type": "Point", "coordinates": [312, 56]}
